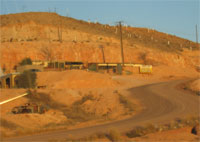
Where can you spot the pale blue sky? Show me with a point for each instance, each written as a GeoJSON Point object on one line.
{"type": "Point", "coordinates": [177, 17]}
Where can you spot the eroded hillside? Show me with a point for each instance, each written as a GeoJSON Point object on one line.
{"type": "Point", "coordinates": [25, 34]}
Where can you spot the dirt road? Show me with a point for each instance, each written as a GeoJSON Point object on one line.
{"type": "Point", "coordinates": [162, 101]}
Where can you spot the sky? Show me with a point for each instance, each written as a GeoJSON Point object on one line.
{"type": "Point", "coordinates": [176, 17]}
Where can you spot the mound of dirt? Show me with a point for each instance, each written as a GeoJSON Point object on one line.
{"type": "Point", "coordinates": [74, 79]}
{"type": "Point", "coordinates": [103, 103]}
{"type": "Point", "coordinates": [67, 108]}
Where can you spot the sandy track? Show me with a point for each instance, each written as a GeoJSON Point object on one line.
{"type": "Point", "coordinates": [162, 101]}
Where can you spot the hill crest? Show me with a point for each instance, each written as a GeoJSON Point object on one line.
{"type": "Point", "coordinates": [44, 20]}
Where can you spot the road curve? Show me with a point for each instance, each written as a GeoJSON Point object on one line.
{"type": "Point", "coordinates": [162, 102]}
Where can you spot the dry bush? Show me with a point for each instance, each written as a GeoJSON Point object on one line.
{"type": "Point", "coordinates": [53, 125]}
{"type": "Point", "coordinates": [7, 124]}
{"type": "Point", "coordinates": [142, 57]}
{"type": "Point", "coordinates": [127, 104]}
{"type": "Point", "coordinates": [47, 53]}
{"type": "Point", "coordinates": [44, 99]}
{"type": "Point", "coordinates": [73, 112]}
{"type": "Point", "coordinates": [114, 135]}
{"type": "Point", "coordinates": [150, 128]}
{"type": "Point", "coordinates": [92, 138]}
{"type": "Point", "coordinates": [76, 112]}
{"type": "Point", "coordinates": [84, 99]}
{"type": "Point", "coordinates": [137, 132]}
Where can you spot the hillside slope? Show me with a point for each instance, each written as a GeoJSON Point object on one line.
{"type": "Point", "coordinates": [26, 34]}
{"type": "Point", "coordinates": [60, 26]}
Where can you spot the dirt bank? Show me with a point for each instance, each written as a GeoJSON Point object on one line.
{"type": "Point", "coordinates": [75, 79]}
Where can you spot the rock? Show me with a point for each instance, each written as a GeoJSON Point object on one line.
{"type": "Point", "coordinates": [196, 130]}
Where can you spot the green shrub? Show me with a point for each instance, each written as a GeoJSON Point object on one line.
{"type": "Point", "coordinates": [92, 67]}
{"type": "Point", "coordinates": [26, 61]}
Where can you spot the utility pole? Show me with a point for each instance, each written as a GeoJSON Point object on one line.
{"type": "Point", "coordinates": [102, 50]}
{"type": "Point", "coordinates": [121, 42]}
{"type": "Point", "coordinates": [197, 36]}
{"type": "Point", "coordinates": [61, 30]}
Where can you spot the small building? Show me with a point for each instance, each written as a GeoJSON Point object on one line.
{"type": "Point", "coordinates": [9, 80]}
{"type": "Point", "coordinates": [105, 67]}
{"type": "Point", "coordinates": [33, 68]}
{"type": "Point", "coordinates": [41, 63]}
{"type": "Point", "coordinates": [65, 65]}
{"type": "Point", "coordinates": [74, 65]}
{"type": "Point", "coordinates": [108, 67]}
{"type": "Point", "coordinates": [59, 65]}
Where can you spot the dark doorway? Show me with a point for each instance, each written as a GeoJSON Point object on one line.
{"type": "Point", "coordinates": [7, 82]}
